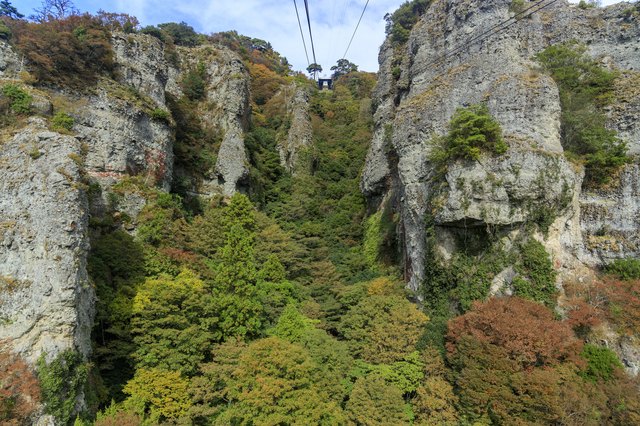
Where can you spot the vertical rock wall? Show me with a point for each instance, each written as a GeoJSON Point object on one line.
{"type": "Point", "coordinates": [417, 102]}
{"type": "Point", "coordinates": [46, 299]}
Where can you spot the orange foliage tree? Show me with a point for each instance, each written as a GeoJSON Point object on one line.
{"type": "Point", "coordinates": [610, 298]}
{"type": "Point", "coordinates": [525, 330]}
{"type": "Point", "coordinates": [19, 388]}
{"type": "Point", "coordinates": [73, 51]}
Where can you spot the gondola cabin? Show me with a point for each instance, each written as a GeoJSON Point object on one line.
{"type": "Point", "coordinates": [325, 84]}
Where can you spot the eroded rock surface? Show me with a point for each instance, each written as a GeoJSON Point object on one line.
{"type": "Point", "coordinates": [46, 299]}
{"type": "Point", "coordinates": [417, 101]}
{"type": "Point", "coordinates": [299, 138]}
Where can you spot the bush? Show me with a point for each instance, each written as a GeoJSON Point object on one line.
{"type": "Point", "coordinates": [20, 99]}
{"type": "Point", "coordinates": [539, 268]}
{"type": "Point", "coordinates": [5, 32]}
{"type": "Point", "coordinates": [155, 32]}
{"type": "Point", "coordinates": [400, 22]}
{"type": "Point", "coordinates": [516, 6]}
{"type": "Point", "coordinates": [601, 363]}
{"type": "Point", "coordinates": [57, 55]}
{"type": "Point", "coordinates": [61, 381]}
{"type": "Point", "coordinates": [193, 85]}
{"type": "Point", "coordinates": [625, 269]}
{"type": "Point", "coordinates": [159, 114]}
{"type": "Point", "coordinates": [471, 131]}
{"type": "Point", "coordinates": [585, 88]}
{"type": "Point", "coordinates": [62, 121]}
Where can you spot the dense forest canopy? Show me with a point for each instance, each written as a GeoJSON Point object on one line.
{"type": "Point", "coordinates": [286, 305]}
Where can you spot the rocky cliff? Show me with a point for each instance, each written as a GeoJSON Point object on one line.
{"type": "Point", "coordinates": [421, 84]}
{"type": "Point", "coordinates": [299, 137]}
{"type": "Point", "coordinates": [47, 301]}
{"type": "Point", "coordinates": [51, 183]}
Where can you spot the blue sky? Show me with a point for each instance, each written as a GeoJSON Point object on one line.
{"type": "Point", "coordinates": [332, 23]}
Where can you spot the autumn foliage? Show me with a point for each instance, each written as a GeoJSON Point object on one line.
{"type": "Point", "coordinates": [19, 388]}
{"type": "Point", "coordinates": [73, 51]}
{"type": "Point", "coordinates": [609, 298]}
{"type": "Point", "coordinates": [525, 330]}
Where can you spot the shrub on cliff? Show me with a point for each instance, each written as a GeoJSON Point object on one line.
{"type": "Point", "coordinates": [471, 132]}
{"type": "Point", "coordinates": [62, 121]}
{"type": "Point", "coordinates": [400, 22]}
{"type": "Point", "coordinates": [58, 56]}
{"type": "Point", "coordinates": [584, 89]}
{"type": "Point", "coordinates": [193, 85]}
{"type": "Point", "coordinates": [155, 32]}
{"type": "Point", "coordinates": [19, 388]}
{"type": "Point", "coordinates": [20, 99]}
{"type": "Point", "coordinates": [182, 33]}
{"type": "Point", "coordinates": [61, 381]}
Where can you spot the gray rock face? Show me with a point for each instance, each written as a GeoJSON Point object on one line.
{"type": "Point", "coordinates": [10, 63]}
{"type": "Point", "coordinates": [227, 107]}
{"type": "Point", "coordinates": [141, 63]}
{"type": "Point", "coordinates": [46, 299]}
{"type": "Point", "coordinates": [300, 136]}
{"type": "Point", "coordinates": [418, 102]}
{"type": "Point", "coordinates": [123, 140]}
{"type": "Point", "coordinates": [610, 219]}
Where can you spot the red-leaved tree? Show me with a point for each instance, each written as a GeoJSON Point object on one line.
{"type": "Point", "coordinates": [525, 330]}
{"type": "Point", "coordinates": [19, 388]}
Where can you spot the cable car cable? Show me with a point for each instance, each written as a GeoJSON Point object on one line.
{"type": "Point", "coordinates": [313, 50]}
{"type": "Point", "coordinates": [301, 33]}
{"type": "Point", "coordinates": [477, 39]}
{"type": "Point", "coordinates": [354, 32]}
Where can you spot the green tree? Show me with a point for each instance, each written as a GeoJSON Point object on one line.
{"type": "Point", "coordinates": [239, 212]}
{"type": "Point", "coordinates": [373, 402]}
{"type": "Point", "coordinates": [383, 329]}
{"type": "Point", "coordinates": [314, 68]}
{"type": "Point", "coordinates": [471, 132]}
{"type": "Point", "coordinates": [6, 9]}
{"type": "Point", "coordinates": [182, 33]}
{"type": "Point", "coordinates": [435, 400]}
{"type": "Point", "coordinates": [275, 383]}
{"type": "Point", "coordinates": [193, 85]}
{"type": "Point", "coordinates": [291, 326]}
{"type": "Point", "coordinates": [169, 324]}
{"type": "Point", "coordinates": [20, 99]}
{"type": "Point", "coordinates": [5, 32]}
{"type": "Point", "coordinates": [158, 395]}
{"type": "Point", "coordinates": [343, 67]}
{"type": "Point", "coordinates": [236, 288]}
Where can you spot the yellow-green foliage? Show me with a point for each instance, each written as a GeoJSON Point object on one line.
{"type": "Point", "coordinates": [62, 121]}
{"type": "Point", "coordinates": [372, 239]}
{"type": "Point", "coordinates": [158, 395]}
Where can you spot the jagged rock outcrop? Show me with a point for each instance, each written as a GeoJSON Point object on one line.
{"type": "Point", "coordinates": [418, 91]}
{"type": "Point", "coordinates": [227, 88]}
{"type": "Point", "coordinates": [9, 61]}
{"type": "Point", "coordinates": [46, 299]}
{"type": "Point", "coordinates": [300, 136]}
{"type": "Point", "coordinates": [419, 102]}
